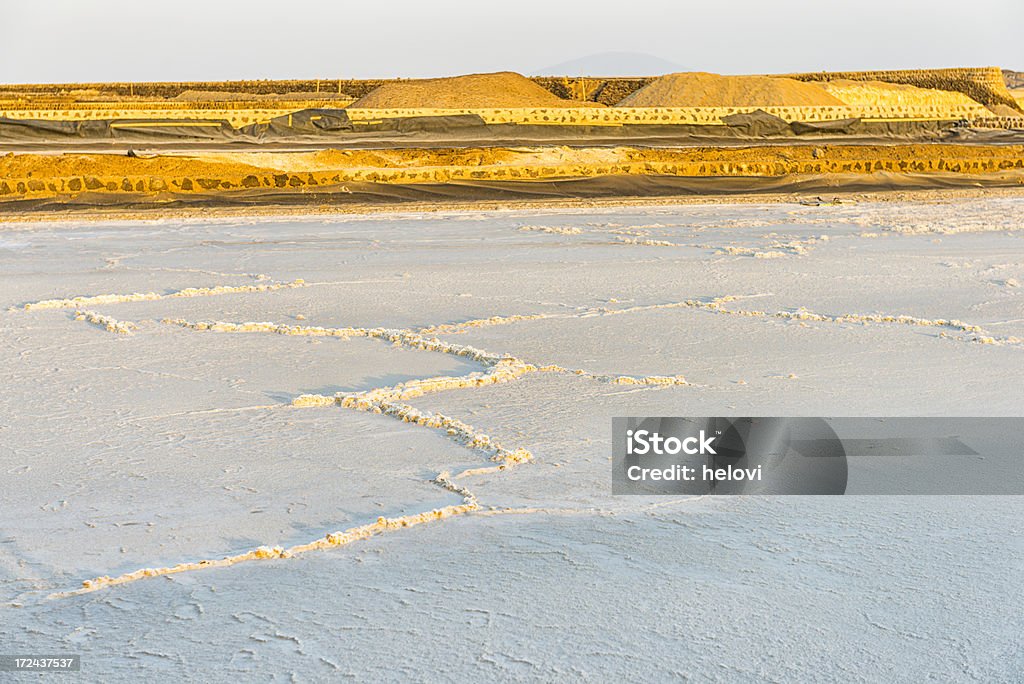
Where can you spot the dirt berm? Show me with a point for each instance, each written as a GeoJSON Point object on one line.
{"type": "Point", "coordinates": [65, 177]}
{"type": "Point", "coordinates": [503, 89]}
{"type": "Point", "coordinates": [699, 89]}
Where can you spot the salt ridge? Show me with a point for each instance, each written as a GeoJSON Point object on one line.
{"type": "Point", "coordinates": [390, 400]}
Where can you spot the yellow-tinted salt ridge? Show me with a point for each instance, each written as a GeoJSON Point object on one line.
{"type": "Point", "coordinates": [108, 323]}
{"type": "Point", "coordinates": [553, 230]}
{"type": "Point", "coordinates": [390, 400]}
{"type": "Point", "coordinates": [407, 338]}
{"type": "Point", "coordinates": [332, 540]}
{"type": "Point", "coordinates": [644, 242]}
{"type": "Point", "coordinates": [717, 305]}
{"type": "Point", "coordinates": [502, 369]}
{"type": "Point", "coordinates": [976, 333]}
{"type": "Point", "coordinates": [456, 328]}
{"type": "Point", "coordinates": [775, 249]}
{"type": "Point", "coordinates": [502, 366]}
{"type": "Point", "coordinates": [76, 302]}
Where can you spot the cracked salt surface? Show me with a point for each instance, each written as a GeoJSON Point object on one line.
{"type": "Point", "coordinates": [188, 445]}
{"type": "Point", "coordinates": [384, 400]}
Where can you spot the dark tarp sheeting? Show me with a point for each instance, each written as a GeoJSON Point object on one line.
{"type": "Point", "coordinates": [317, 128]}
{"type": "Point", "coordinates": [607, 187]}
{"type": "Point", "coordinates": [305, 122]}
{"type": "Point", "coordinates": [757, 124]}
{"type": "Point", "coordinates": [840, 127]}
{"type": "Point", "coordinates": [17, 130]}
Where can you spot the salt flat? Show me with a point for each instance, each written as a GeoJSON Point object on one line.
{"type": "Point", "coordinates": [168, 443]}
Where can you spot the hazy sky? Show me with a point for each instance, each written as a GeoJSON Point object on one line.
{"type": "Point", "coordinates": [118, 40]}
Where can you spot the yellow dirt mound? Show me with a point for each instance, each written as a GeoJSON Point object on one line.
{"type": "Point", "coordinates": [475, 91]}
{"type": "Point", "coordinates": [882, 94]}
{"type": "Point", "coordinates": [700, 89]}
{"type": "Point", "coordinates": [1003, 110]}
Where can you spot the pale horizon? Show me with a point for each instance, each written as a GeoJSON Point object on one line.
{"type": "Point", "coordinates": [111, 40]}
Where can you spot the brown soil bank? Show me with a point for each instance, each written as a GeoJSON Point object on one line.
{"type": "Point", "coordinates": [499, 90]}
{"type": "Point", "coordinates": [882, 94]}
{"type": "Point", "coordinates": [981, 84]}
{"type": "Point", "coordinates": [121, 178]}
{"type": "Point", "coordinates": [700, 89]}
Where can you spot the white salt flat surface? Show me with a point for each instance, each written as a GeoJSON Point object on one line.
{"type": "Point", "coordinates": [168, 445]}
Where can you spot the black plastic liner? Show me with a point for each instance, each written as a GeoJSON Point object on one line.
{"type": "Point", "coordinates": [605, 188]}
{"type": "Point", "coordinates": [317, 128]}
